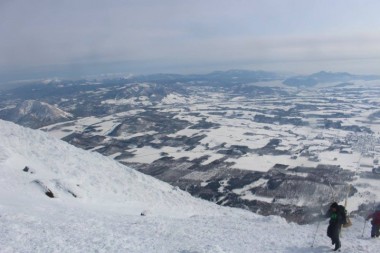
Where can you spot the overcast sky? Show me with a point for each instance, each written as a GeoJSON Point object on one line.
{"type": "Point", "coordinates": [149, 36]}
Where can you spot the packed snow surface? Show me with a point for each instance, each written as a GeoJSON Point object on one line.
{"type": "Point", "coordinates": [100, 205]}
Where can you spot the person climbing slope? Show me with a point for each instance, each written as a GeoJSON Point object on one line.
{"type": "Point", "coordinates": [337, 216]}
{"type": "Point", "coordinates": [375, 216]}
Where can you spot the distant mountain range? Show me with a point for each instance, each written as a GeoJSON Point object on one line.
{"type": "Point", "coordinates": [326, 77]}
{"type": "Point", "coordinates": [225, 78]}
{"type": "Point", "coordinates": [229, 76]}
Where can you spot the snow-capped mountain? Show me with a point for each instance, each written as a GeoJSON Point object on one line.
{"type": "Point", "coordinates": [35, 114]}
{"type": "Point", "coordinates": [58, 198]}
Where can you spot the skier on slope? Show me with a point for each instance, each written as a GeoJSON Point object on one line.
{"type": "Point", "coordinates": [375, 216]}
{"type": "Point", "coordinates": [337, 216]}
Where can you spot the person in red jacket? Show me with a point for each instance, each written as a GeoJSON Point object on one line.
{"type": "Point", "coordinates": [375, 216]}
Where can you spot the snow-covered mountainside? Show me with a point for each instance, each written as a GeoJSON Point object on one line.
{"type": "Point", "coordinates": [35, 114]}
{"type": "Point", "coordinates": [35, 165]}
{"type": "Point", "coordinates": [57, 198]}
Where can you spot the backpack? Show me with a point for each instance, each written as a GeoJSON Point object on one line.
{"type": "Point", "coordinates": [346, 221]}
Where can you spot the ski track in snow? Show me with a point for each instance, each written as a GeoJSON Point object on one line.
{"type": "Point", "coordinates": [105, 217]}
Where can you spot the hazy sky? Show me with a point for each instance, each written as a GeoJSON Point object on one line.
{"type": "Point", "coordinates": [145, 36]}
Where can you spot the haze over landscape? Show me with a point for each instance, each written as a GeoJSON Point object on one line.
{"type": "Point", "coordinates": [65, 39]}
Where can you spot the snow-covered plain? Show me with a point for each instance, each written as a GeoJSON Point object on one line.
{"type": "Point", "coordinates": [98, 205]}
{"type": "Point", "coordinates": [233, 116]}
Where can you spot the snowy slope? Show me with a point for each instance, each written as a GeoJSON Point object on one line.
{"type": "Point", "coordinates": [35, 114]}
{"type": "Point", "coordinates": [97, 204]}
{"type": "Point", "coordinates": [67, 171]}
{"type": "Point", "coordinates": [41, 110]}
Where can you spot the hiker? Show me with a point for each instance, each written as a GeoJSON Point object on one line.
{"type": "Point", "coordinates": [375, 216]}
{"type": "Point", "coordinates": [337, 216]}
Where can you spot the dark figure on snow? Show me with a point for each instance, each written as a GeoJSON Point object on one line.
{"type": "Point", "coordinates": [375, 216]}
{"type": "Point", "coordinates": [337, 216]}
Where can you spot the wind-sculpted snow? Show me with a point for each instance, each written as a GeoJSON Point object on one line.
{"type": "Point", "coordinates": [97, 206]}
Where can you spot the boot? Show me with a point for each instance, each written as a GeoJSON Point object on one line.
{"type": "Point", "coordinates": [337, 246]}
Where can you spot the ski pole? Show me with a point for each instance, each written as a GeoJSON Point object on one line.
{"type": "Point", "coordinates": [315, 234]}
{"type": "Point", "coordinates": [365, 223]}
{"type": "Point", "coordinates": [319, 222]}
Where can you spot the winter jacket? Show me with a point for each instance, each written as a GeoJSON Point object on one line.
{"type": "Point", "coordinates": [338, 217]}
{"type": "Point", "coordinates": [375, 217]}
